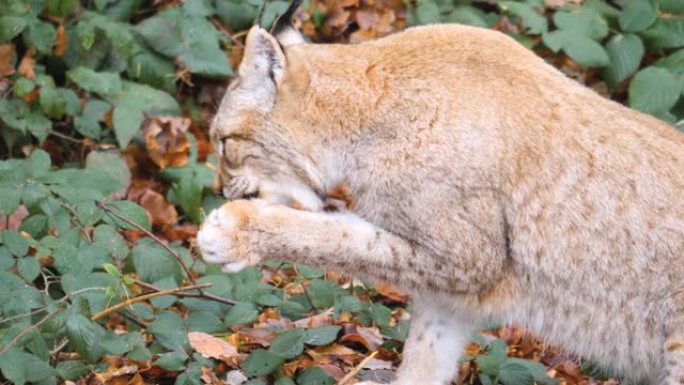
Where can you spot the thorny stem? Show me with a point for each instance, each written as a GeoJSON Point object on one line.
{"type": "Point", "coordinates": [163, 244]}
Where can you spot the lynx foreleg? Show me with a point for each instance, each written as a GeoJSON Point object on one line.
{"type": "Point", "coordinates": [243, 232]}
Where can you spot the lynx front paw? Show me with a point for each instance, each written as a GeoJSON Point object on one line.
{"type": "Point", "coordinates": [225, 237]}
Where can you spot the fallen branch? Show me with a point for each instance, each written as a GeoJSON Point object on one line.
{"type": "Point", "coordinates": [145, 297]}
{"type": "Point", "coordinates": [163, 244]}
{"type": "Point", "coordinates": [204, 295]}
{"type": "Point", "coordinates": [352, 373]}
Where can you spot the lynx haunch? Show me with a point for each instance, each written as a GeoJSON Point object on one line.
{"type": "Point", "coordinates": [487, 184]}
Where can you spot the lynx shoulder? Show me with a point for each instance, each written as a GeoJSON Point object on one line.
{"type": "Point", "coordinates": [486, 183]}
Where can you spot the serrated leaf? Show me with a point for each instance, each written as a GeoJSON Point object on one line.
{"type": "Point", "coordinates": [637, 15]}
{"type": "Point", "coordinates": [315, 376]}
{"type": "Point", "coordinates": [289, 344]}
{"type": "Point", "coordinates": [72, 370]}
{"type": "Point", "coordinates": [127, 119]}
{"type": "Point", "coordinates": [41, 36]}
{"type": "Point", "coordinates": [512, 373]}
{"type": "Point", "coordinates": [586, 52]}
{"type": "Point", "coordinates": [625, 52]}
{"type": "Point", "coordinates": [83, 335]}
{"type": "Point", "coordinates": [204, 321]}
{"type": "Point", "coordinates": [321, 335]}
{"type": "Point", "coordinates": [111, 164]}
{"type": "Point", "coordinates": [241, 313]}
{"type": "Point", "coordinates": [131, 211]}
{"type": "Point", "coordinates": [28, 268]}
{"type": "Point", "coordinates": [153, 263]}
{"type": "Point", "coordinates": [20, 367]}
{"type": "Point", "coordinates": [14, 242]}
{"type": "Point", "coordinates": [102, 83]}
{"type": "Point", "coordinates": [532, 20]}
{"type": "Point", "coordinates": [173, 361]}
{"type": "Point", "coordinates": [262, 362]}
{"type": "Point", "coordinates": [582, 21]}
{"type": "Point", "coordinates": [170, 331]}
{"type": "Point", "coordinates": [88, 124]}
{"type": "Point", "coordinates": [654, 90]}
{"type": "Point", "coordinates": [665, 33]}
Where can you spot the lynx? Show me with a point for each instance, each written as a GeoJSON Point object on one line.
{"type": "Point", "coordinates": [486, 183]}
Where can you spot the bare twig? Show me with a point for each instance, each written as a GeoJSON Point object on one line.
{"type": "Point", "coordinates": [145, 297]}
{"type": "Point", "coordinates": [29, 330]}
{"type": "Point", "coordinates": [204, 295]}
{"type": "Point", "coordinates": [163, 244]}
{"type": "Point", "coordinates": [223, 29]}
{"type": "Point", "coordinates": [352, 373]}
{"type": "Point", "coordinates": [76, 220]}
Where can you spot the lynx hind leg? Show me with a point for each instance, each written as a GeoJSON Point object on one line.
{"type": "Point", "coordinates": [437, 336]}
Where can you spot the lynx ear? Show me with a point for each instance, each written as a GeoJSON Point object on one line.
{"type": "Point", "coordinates": [263, 59]}
{"type": "Point", "coordinates": [284, 31]}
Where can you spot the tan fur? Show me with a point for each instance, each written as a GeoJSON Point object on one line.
{"type": "Point", "coordinates": [485, 182]}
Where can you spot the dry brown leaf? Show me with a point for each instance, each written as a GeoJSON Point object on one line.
{"type": "Point", "coordinates": [163, 214]}
{"type": "Point", "coordinates": [322, 319]}
{"type": "Point", "coordinates": [166, 142]}
{"type": "Point", "coordinates": [390, 292]}
{"type": "Point", "coordinates": [14, 220]}
{"type": "Point", "coordinates": [27, 66]}
{"type": "Point", "coordinates": [7, 52]}
{"type": "Point", "coordinates": [60, 41]}
{"type": "Point", "coordinates": [211, 347]}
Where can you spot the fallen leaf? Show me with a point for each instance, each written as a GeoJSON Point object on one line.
{"type": "Point", "coordinates": [27, 66]}
{"type": "Point", "coordinates": [235, 377]}
{"type": "Point", "coordinates": [322, 319]}
{"type": "Point", "coordinates": [166, 142]}
{"type": "Point", "coordinates": [211, 347]}
{"type": "Point", "coordinates": [7, 52]}
{"type": "Point", "coordinates": [389, 292]}
{"type": "Point", "coordinates": [163, 214]}
{"type": "Point", "coordinates": [60, 41]}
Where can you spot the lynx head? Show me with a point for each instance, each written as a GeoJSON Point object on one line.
{"type": "Point", "coordinates": [256, 133]}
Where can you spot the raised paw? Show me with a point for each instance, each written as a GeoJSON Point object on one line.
{"type": "Point", "coordinates": [226, 235]}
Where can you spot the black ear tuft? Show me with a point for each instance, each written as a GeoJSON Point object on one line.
{"type": "Point", "coordinates": [284, 21]}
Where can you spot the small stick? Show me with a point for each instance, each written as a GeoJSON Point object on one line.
{"type": "Point", "coordinates": [352, 373]}
{"type": "Point", "coordinates": [29, 330]}
{"type": "Point", "coordinates": [145, 297]}
{"type": "Point", "coordinates": [223, 29]}
{"type": "Point", "coordinates": [108, 209]}
{"type": "Point", "coordinates": [204, 295]}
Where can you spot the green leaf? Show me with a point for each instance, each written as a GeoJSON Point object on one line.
{"type": "Point", "coordinates": [322, 293]}
{"type": "Point", "coordinates": [111, 164]}
{"type": "Point", "coordinates": [262, 362]}
{"type": "Point", "coordinates": [587, 52]}
{"type": "Point", "coordinates": [131, 211]}
{"type": "Point", "coordinates": [51, 102]}
{"type": "Point", "coordinates": [427, 12]}
{"type": "Point", "coordinates": [241, 313]}
{"type": "Point", "coordinates": [62, 7]}
{"type": "Point", "coordinates": [83, 336]}
{"type": "Point", "coordinates": [38, 125]}
{"type": "Point", "coordinates": [665, 33]}
{"type": "Point", "coordinates": [204, 321]}
{"type": "Point", "coordinates": [170, 331]}
{"type": "Point", "coordinates": [625, 52]}
{"type": "Point", "coordinates": [19, 367]}
{"type": "Point", "coordinates": [315, 376]}
{"type": "Point", "coordinates": [72, 370]}
{"type": "Point", "coordinates": [284, 381]}
{"type": "Point", "coordinates": [672, 6]}
{"type": "Point", "coordinates": [110, 239]}
{"type": "Point", "coordinates": [11, 26]}
{"type": "Point", "coordinates": [40, 36]}
{"type": "Point", "coordinates": [35, 225]}
{"type": "Point", "coordinates": [15, 243]}
{"type": "Point", "coordinates": [127, 118]}
{"type": "Point", "coordinates": [153, 263]}
{"type": "Point", "coordinates": [22, 87]}
{"type": "Point", "coordinates": [164, 301]}
{"type": "Point", "coordinates": [28, 268]}
{"type": "Point", "coordinates": [637, 15]}
{"type": "Point", "coordinates": [654, 90]}
{"type": "Point", "coordinates": [309, 272]}
{"type": "Point", "coordinates": [88, 124]}
{"type": "Point", "coordinates": [582, 21]}
{"type": "Point", "coordinates": [322, 335]}
{"type": "Point", "coordinates": [512, 373]}
{"type": "Point", "coordinates": [289, 344]}
{"type": "Point", "coordinates": [532, 20]}
{"type": "Point", "coordinates": [173, 361]}
{"type": "Point", "coordinates": [102, 83]}
{"type": "Point", "coordinates": [6, 260]}
{"type": "Point", "coordinates": [10, 198]}
{"type": "Point", "coordinates": [239, 15]}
